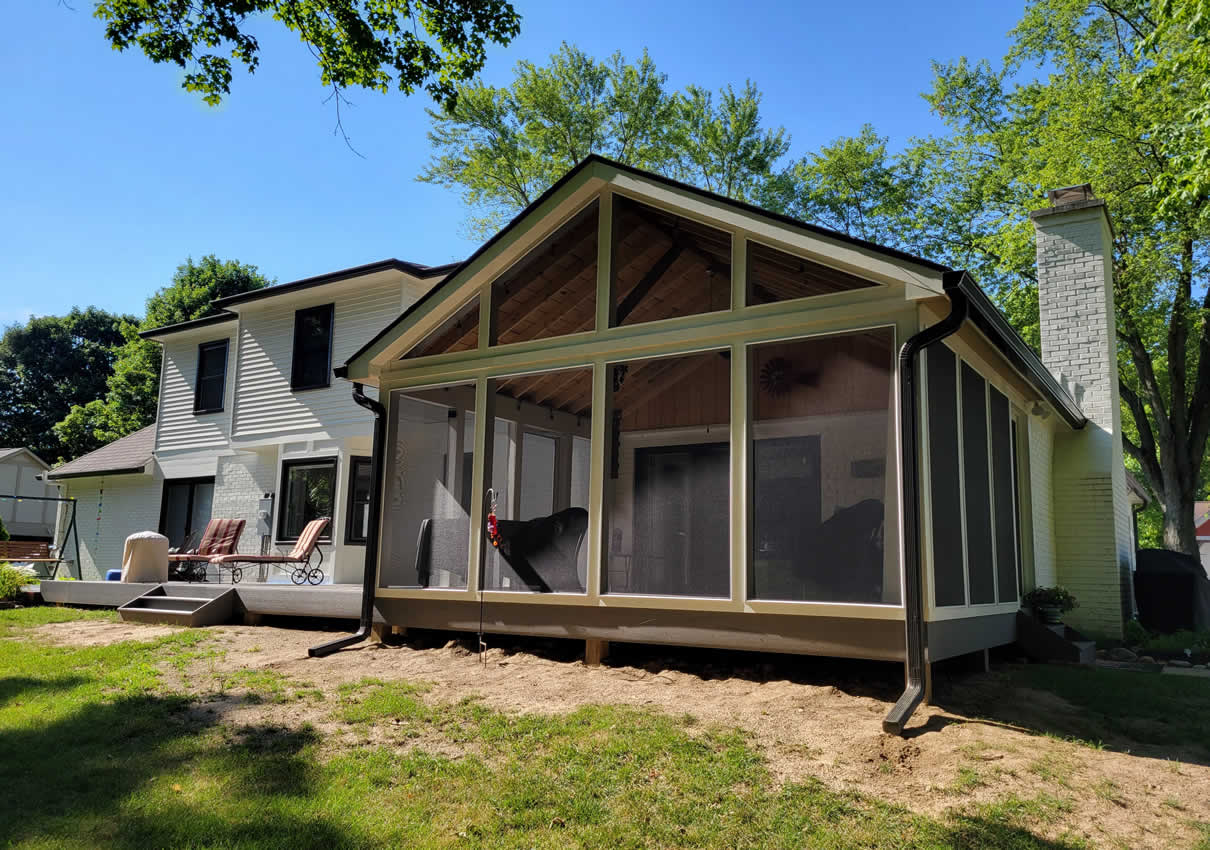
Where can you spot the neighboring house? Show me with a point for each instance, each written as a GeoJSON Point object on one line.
{"type": "Point", "coordinates": [1201, 522]}
{"type": "Point", "coordinates": [19, 477]}
{"type": "Point", "coordinates": [250, 418]}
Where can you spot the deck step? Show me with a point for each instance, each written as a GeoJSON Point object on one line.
{"type": "Point", "coordinates": [1053, 643]}
{"type": "Point", "coordinates": [157, 606]}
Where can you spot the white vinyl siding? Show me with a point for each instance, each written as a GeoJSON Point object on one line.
{"type": "Point", "coordinates": [177, 426]}
{"type": "Point", "coordinates": [264, 404]}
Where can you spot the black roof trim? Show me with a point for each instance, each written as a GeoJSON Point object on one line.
{"type": "Point", "coordinates": [987, 317]}
{"type": "Point", "coordinates": [217, 318]}
{"type": "Point", "coordinates": [390, 264]}
{"type": "Point", "coordinates": [97, 473]}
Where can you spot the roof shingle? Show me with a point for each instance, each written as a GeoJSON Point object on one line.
{"type": "Point", "coordinates": [125, 455]}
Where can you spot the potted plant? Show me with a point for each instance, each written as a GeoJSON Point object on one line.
{"type": "Point", "coordinates": [1050, 603]}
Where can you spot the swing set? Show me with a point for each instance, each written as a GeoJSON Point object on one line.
{"type": "Point", "coordinates": [42, 562]}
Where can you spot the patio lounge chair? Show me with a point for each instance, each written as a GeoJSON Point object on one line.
{"type": "Point", "coordinates": [299, 557]}
{"type": "Point", "coordinates": [219, 538]}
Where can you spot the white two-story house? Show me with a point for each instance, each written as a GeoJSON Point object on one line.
{"type": "Point", "coordinates": [251, 424]}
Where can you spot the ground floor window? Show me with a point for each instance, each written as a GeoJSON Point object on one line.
{"type": "Point", "coordinates": [308, 490]}
{"type": "Point", "coordinates": [185, 510]}
{"type": "Point", "coordinates": [357, 518]}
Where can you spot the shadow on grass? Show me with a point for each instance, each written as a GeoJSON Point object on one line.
{"type": "Point", "coordinates": [1145, 714]}
{"type": "Point", "coordinates": [12, 687]}
{"type": "Point", "coordinates": [108, 774]}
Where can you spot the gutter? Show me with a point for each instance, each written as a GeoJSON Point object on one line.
{"type": "Point", "coordinates": [370, 572]}
{"type": "Point", "coordinates": [913, 590]}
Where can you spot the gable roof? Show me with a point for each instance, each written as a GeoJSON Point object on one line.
{"type": "Point", "coordinates": [596, 159]}
{"type": "Point", "coordinates": [223, 315]}
{"type": "Point", "coordinates": [124, 456]}
{"type": "Point", "coordinates": [985, 315]}
{"type": "Point", "coordinates": [5, 454]}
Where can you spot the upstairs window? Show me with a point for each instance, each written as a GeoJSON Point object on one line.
{"type": "Point", "coordinates": [312, 363]}
{"type": "Point", "coordinates": [211, 381]}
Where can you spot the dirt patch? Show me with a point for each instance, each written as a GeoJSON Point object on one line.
{"type": "Point", "coordinates": [804, 728]}
{"type": "Point", "coordinates": [99, 632]}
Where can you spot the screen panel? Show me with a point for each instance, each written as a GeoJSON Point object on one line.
{"type": "Point", "coordinates": [1003, 497]}
{"type": "Point", "coordinates": [948, 564]}
{"type": "Point", "coordinates": [977, 494]}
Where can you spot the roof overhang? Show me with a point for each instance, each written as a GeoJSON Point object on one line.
{"type": "Point", "coordinates": [24, 450]}
{"type": "Point", "coordinates": [919, 277]}
{"type": "Point", "coordinates": [195, 324]}
{"type": "Point", "coordinates": [419, 272]}
{"type": "Point", "coordinates": [985, 316]}
{"type": "Point", "coordinates": [97, 473]}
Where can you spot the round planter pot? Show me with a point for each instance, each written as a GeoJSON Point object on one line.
{"type": "Point", "coordinates": [1049, 614]}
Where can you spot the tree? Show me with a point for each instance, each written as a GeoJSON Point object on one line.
{"type": "Point", "coordinates": [131, 392]}
{"type": "Point", "coordinates": [1100, 114]}
{"type": "Point", "coordinates": [374, 44]}
{"type": "Point", "coordinates": [501, 147]}
{"type": "Point", "coordinates": [48, 365]}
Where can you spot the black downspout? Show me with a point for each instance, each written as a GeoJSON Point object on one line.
{"type": "Point", "coordinates": [371, 563]}
{"type": "Point", "coordinates": [913, 591]}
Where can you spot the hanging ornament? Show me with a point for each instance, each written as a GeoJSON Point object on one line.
{"type": "Point", "coordinates": [493, 529]}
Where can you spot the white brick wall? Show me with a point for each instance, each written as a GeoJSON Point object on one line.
{"type": "Point", "coordinates": [1093, 551]}
{"type": "Point", "coordinates": [239, 483]}
{"type": "Point", "coordinates": [1041, 459]}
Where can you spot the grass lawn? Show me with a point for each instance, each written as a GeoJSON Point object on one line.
{"type": "Point", "coordinates": [99, 749]}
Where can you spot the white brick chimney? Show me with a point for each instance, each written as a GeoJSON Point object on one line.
{"type": "Point", "coordinates": [1092, 527]}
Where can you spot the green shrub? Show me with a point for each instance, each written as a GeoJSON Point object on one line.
{"type": "Point", "coordinates": [1058, 597]}
{"type": "Point", "coordinates": [1136, 634]}
{"type": "Point", "coordinates": [1179, 642]}
{"type": "Point", "coordinates": [3, 531]}
{"type": "Point", "coordinates": [11, 580]}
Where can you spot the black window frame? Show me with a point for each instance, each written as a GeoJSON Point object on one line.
{"type": "Point", "coordinates": [197, 380]}
{"type": "Point", "coordinates": [283, 501]}
{"type": "Point", "coordinates": [352, 502]}
{"type": "Point", "coordinates": [296, 356]}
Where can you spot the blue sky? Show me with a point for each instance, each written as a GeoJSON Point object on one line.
{"type": "Point", "coordinates": [112, 174]}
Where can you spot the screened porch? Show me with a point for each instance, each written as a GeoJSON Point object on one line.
{"type": "Point", "coordinates": [651, 412]}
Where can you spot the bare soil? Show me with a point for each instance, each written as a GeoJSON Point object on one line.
{"type": "Point", "coordinates": [809, 718]}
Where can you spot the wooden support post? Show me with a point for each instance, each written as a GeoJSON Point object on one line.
{"type": "Point", "coordinates": [251, 618]}
{"type": "Point", "coordinates": [928, 683]}
{"type": "Point", "coordinates": [400, 632]}
{"type": "Point", "coordinates": [987, 661]}
{"type": "Point", "coordinates": [594, 651]}
{"type": "Point", "coordinates": [378, 632]}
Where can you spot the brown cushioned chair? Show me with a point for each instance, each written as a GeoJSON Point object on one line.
{"type": "Point", "coordinates": [300, 557]}
{"type": "Point", "coordinates": [220, 538]}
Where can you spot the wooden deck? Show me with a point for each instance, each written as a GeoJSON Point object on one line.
{"type": "Point", "coordinates": [336, 601]}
